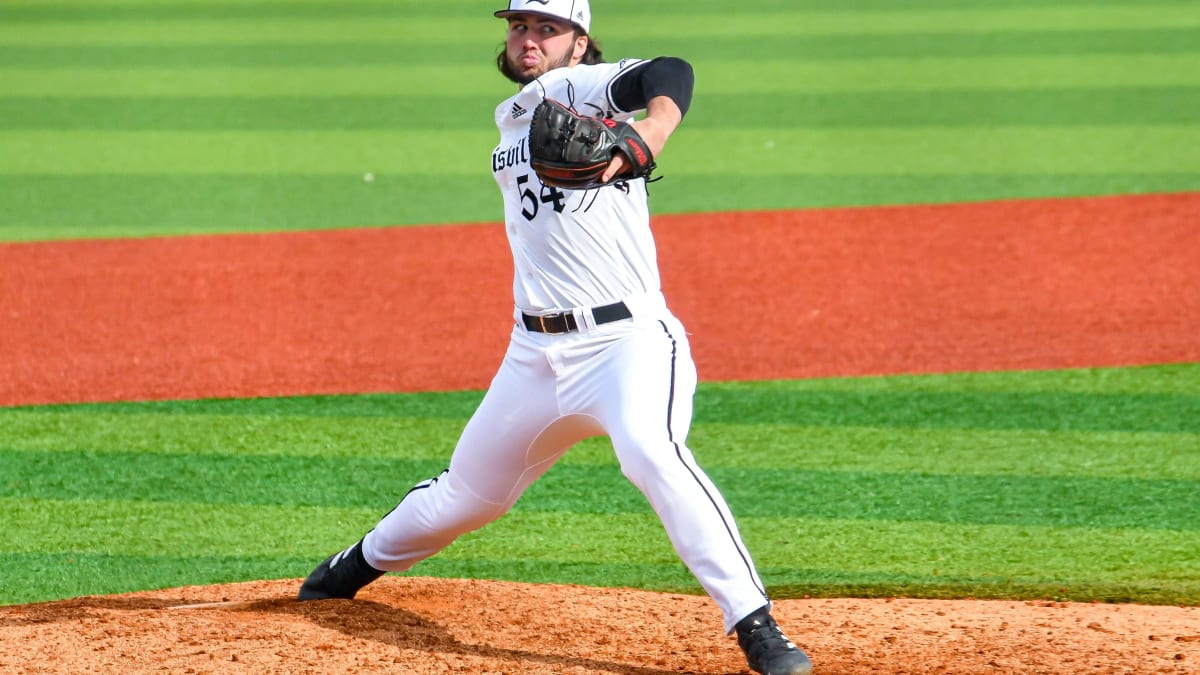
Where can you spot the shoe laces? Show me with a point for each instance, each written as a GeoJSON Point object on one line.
{"type": "Point", "coordinates": [764, 637]}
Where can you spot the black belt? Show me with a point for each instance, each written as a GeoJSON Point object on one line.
{"type": "Point", "coordinates": [564, 322]}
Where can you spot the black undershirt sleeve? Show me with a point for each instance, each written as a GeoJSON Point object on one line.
{"type": "Point", "coordinates": [664, 76]}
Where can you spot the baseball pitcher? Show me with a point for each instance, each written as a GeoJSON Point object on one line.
{"type": "Point", "coordinates": [594, 348]}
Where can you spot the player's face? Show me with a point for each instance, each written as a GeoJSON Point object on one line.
{"type": "Point", "coordinates": [538, 44]}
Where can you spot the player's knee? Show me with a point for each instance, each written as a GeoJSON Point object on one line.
{"type": "Point", "coordinates": [435, 513]}
{"type": "Point", "coordinates": [456, 508]}
{"type": "Point", "coordinates": [643, 463]}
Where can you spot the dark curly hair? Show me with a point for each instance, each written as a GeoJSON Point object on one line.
{"type": "Point", "coordinates": [591, 56]}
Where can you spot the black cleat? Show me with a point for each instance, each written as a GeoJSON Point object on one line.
{"type": "Point", "coordinates": [768, 650]}
{"type": "Point", "coordinates": [340, 575]}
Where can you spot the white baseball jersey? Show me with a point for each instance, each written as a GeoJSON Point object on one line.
{"type": "Point", "coordinates": [571, 248]}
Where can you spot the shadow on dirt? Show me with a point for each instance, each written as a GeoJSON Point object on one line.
{"type": "Point", "coordinates": [362, 619]}
{"type": "Point", "coordinates": [406, 630]}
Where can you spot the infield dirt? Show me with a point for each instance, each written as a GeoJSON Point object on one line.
{"type": "Point", "coordinates": [1008, 285]}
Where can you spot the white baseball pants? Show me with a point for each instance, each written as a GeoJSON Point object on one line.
{"type": "Point", "coordinates": [632, 380]}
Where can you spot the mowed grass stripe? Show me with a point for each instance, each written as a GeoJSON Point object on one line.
{"type": "Point", "coordinates": [263, 480]}
{"type": "Point", "coordinates": [1040, 410]}
{"type": "Point", "coordinates": [115, 527]}
{"type": "Point", "coordinates": [572, 488]}
{"type": "Point", "coordinates": [341, 54]}
{"type": "Point", "coordinates": [714, 78]}
{"type": "Point", "coordinates": [304, 434]}
{"type": "Point", "coordinates": [751, 444]}
{"type": "Point", "coordinates": [34, 577]}
{"type": "Point", "coordinates": [644, 24]}
{"type": "Point", "coordinates": [836, 189]}
{"type": "Point", "coordinates": [44, 207]}
{"type": "Point", "coordinates": [1099, 396]}
{"type": "Point", "coordinates": [37, 577]}
{"type": "Point", "coordinates": [795, 552]}
{"type": "Point", "coordinates": [966, 108]}
{"type": "Point", "coordinates": [831, 582]}
{"type": "Point", "coordinates": [955, 549]}
{"type": "Point", "coordinates": [949, 452]}
{"type": "Point", "coordinates": [924, 45]}
{"type": "Point", "coordinates": [970, 108]}
{"type": "Point", "coordinates": [1083, 150]}
{"type": "Point", "coordinates": [425, 81]}
{"type": "Point", "coordinates": [779, 445]}
{"type": "Point", "coordinates": [100, 205]}
{"type": "Point", "coordinates": [459, 153]}
{"type": "Point", "coordinates": [151, 528]}
{"type": "Point", "coordinates": [997, 73]}
{"type": "Point", "coordinates": [778, 47]}
{"type": "Point", "coordinates": [800, 557]}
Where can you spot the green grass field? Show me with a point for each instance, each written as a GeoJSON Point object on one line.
{"type": "Point", "coordinates": [142, 117]}
{"type": "Point", "coordinates": [157, 117]}
{"type": "Point", "coordinates": [1074, 484]}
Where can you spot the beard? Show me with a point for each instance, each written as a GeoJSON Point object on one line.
{"type": "Point", "coordinates": [513, 70]}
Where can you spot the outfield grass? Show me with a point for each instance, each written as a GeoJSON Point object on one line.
{"type": "Point", "coordinates": [1077, 484]}
{"type": "Point", "coordinates": [142, 117]}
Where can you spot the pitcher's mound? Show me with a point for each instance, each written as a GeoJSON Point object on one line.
{"type": "Point", "coordinates": [425, 625]}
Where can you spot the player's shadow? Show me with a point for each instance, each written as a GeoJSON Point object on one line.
{"type": "Point", "coordinates": [407, 630]}
{"type": "Point", "coordinates": [363, 619]}
{"type": "Point", "coordinates": [74, 609]}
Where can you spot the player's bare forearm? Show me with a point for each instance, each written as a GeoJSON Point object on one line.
{"type": "Point", "coordinates": [662, 118]}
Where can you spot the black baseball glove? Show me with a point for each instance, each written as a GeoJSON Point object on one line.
{"type": "Point", "coordinates": [569, 150]}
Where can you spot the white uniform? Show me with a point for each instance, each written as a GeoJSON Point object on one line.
{"type": "Point", "coordinates": [632, 380]}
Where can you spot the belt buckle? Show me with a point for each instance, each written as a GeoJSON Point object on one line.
{"type": "Point", "coordinates": [545, 329]}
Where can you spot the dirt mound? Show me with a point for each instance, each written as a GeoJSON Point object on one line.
{"type": "Point", "coordinates": [426, 625]}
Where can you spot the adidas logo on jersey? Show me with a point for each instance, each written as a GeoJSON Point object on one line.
{"type": "Point", "coordinates": [517, 110]}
